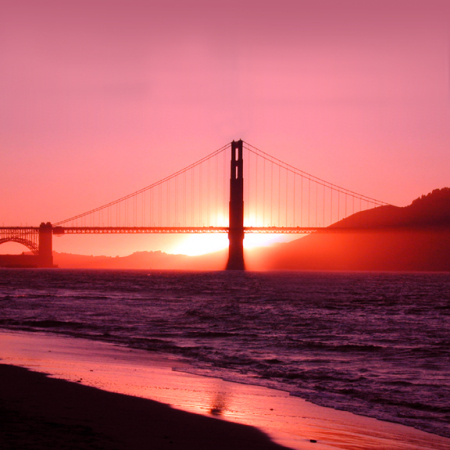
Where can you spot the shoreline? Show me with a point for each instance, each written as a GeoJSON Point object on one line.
{"type": "Point", "coordinates": [288, 421]}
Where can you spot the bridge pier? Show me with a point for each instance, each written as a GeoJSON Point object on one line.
{"type": "Point", "coordinates": [236, 212]}
{"type": "Point", "coordinates": [46, 245]}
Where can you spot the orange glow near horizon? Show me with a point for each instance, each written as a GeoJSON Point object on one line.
{"type": "Point", "coordinates": [201, 244]}
{"type": "Point", "coordinates": [191, 245]}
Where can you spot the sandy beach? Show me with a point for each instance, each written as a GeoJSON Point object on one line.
{"type": "Point", "coordinates": [102, 396]}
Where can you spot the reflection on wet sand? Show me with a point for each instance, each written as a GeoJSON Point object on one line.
{"type": "Point", "coordinates": [219, 403]}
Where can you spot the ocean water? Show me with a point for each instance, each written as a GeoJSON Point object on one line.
{"type": "Point", "coordinates": [374, 344]}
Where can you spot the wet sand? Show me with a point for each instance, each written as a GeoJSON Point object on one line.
{"type": "Point", "coordinates": [164, 407]}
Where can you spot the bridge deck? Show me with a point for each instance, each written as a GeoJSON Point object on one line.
{"type": "Point", "coordinates": [8, 232]}
{"type": "Point", "coordinates": [189, 230]}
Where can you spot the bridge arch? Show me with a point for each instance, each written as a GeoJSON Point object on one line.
{"type": "Point", "coordinates": [27, 243]}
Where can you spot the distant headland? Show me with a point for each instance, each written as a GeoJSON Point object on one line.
{"type": "Point", "coordinates": [388, 238]}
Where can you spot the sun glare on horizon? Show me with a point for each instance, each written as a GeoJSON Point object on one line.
{"type": "Point", "coordinates": [201, 244]}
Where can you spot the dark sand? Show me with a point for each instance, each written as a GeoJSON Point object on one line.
{"type": "Point", "coordinates": [37, 412]}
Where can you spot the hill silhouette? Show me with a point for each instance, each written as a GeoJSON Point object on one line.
{"type": "Point", "coordinates": [427, 211]}
{"type": "Point", "coordinates": [143, 260]}
{"type": "Point", "coordinates": [388, 238]}
{"type": "Point", "coordinates": [410, 238]}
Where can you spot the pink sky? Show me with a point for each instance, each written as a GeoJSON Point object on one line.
{"type": "Point", "coordinates": [99, 98]}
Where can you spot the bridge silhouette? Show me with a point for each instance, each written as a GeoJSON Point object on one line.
{"type": "Point", "coordinates": [208, 196]}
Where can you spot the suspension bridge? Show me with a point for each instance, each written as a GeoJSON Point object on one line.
{"type": "Point", "coordinates": [208, 196]}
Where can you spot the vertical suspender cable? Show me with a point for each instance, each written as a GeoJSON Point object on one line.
{"type": "Point", "coordinates": [293, 204]}
{"type": "Point", "coordinates": [301, 202]}
{"type": "Point", "coordinates": [208, 195]}
{"type": "Point", "coordinates": [271, 193]}
{"type": "Point", "coordinates": [192, 174]}
{"type": "Point", "coordinates": [169, 205]}
{"type": "Point", "coordinates": [331, 200]}
{"type": "Point", "coordinates": [160, 205]}
{"type": "Point", "coordinates": [184, 200]}
{"type": "Point", "coordinates": [279, 196]}
{"type": "Point", "coordinates": [339, 198]}
{"type": "Point", "coordinates": [225, 186]}
{"type": "Point", "coordinates": [287, 190]}
{"type": "Point", "coordinates": [309, 202]}
{"type": "Point", "coordinates": [256, 191]}
{"type": "Point", "coordinates": [216, 201]}
{"type": "Point", "coordinates": [247, 192]}
{"type": "Point", "coordinates": [176, 202]}
{"type": "Point", "coordinates": [323, 207]}
{"type": "Point", "coordinates": [264, 192]}
{"type": "Point", "coordinates": [317, 201]}
{"type": "Point", "coordinates": [200, 196]}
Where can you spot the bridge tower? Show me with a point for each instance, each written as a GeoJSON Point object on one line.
{"type": "Point", "coordinates": [236, 213]}
{"type": "Point", "coordinates": [45, 245]}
